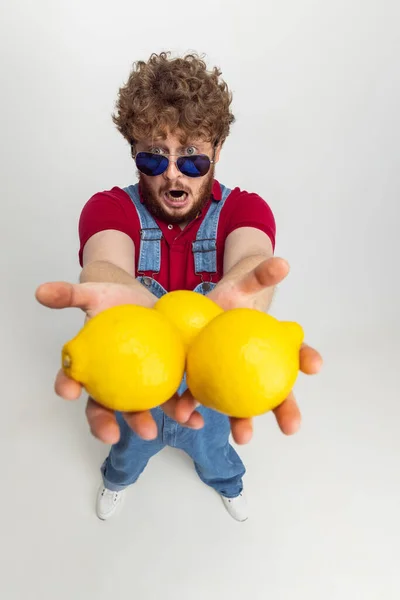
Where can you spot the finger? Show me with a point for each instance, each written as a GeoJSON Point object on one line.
{"type": "Point", "coordinates": [102, 422]}
{"type": "Point", "coordinates": [142, 424]}
{"type": "Point", "coordinates": [182, 409]}
{"type": "Point", "coordinates": [267, 274]}
{"type": "Point", "coordinates": [288, 415]}
{"type": "Point", "coordinates": [242, 430]}
{"type": "Point", "coordinates": [185, 406]}
{"type": "Point", "coordinates": [310, 360]}
{"type": "Point", "coordinates": [61, 294]}
{"type": "Point", "coordinates": [67, 388]}
{"type": "Point", "coordinates": [195, 421]}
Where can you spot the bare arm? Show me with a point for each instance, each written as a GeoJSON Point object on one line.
{"type": "Point", "coordinates": [109, 257]}
{"type": "Point", "coordinates": [251, 275]}
{"type": "Point", "coordinates": [246, 251]}
{"type": "Point", "coordinates": [107, 280]}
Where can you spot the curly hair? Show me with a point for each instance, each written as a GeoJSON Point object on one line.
{"type": "Point", "coordinates": [177, 95]}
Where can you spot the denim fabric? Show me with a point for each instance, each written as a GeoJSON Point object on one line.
{"type": "Point", "coordinates": [204, 247]}
{"type": "Point", "coordinates": [150, 234]}
{"type": "Point", "coordinates": [216, 462]}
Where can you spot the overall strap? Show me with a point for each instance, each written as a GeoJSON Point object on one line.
{"type": "Point", "coordinates": [205, 245]}
{"type": "Point", "coordinates": [150, 234]}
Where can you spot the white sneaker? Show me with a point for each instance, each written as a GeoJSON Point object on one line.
{"type": "Point", "coordinates": [107, 502]}
{"type": "Point", "coordinates": [236, 507]}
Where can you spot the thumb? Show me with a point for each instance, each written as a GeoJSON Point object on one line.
{"type": "Point", "coordinates": [268, 273]}
{"type": "Point", "coordinates": [60, 294]}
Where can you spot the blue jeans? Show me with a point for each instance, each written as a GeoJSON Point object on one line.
{"type": "Point", "coordinates": [216, 462]}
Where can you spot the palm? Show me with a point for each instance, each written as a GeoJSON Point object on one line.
{"type": "Point", "coordinates": [92, 298]}
{"type": "Point", "coordinates": [245, 291]}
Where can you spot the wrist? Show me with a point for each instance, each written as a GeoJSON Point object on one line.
{"type": "Point", "coordinates": [142, 294]}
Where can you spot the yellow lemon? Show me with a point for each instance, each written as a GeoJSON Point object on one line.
{"type": "Point", "coordinates": [189, 311]}
{"type": "Point", "coordinates": [128, 358]}
{"type": "Point", "coordinates": [244, 363]}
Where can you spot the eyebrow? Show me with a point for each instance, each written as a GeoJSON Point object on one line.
{"type": "Point", "coordinates": [161, 143]}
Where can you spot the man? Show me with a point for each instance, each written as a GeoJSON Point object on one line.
{"type": "Point", "coordinates": [178, 228]}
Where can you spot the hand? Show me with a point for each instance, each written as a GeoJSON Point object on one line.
{"type": "Point", "coordinates": [245, 293]}
{"type": "Point", "coordinates": [93, 298]}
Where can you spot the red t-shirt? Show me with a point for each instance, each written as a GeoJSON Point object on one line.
{"type": "Point", "coordinates": [114, 209]}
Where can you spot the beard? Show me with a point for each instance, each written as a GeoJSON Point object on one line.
{"type": "Point", "coordinates": [157, 209]}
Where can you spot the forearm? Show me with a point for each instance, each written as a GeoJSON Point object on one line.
{"type": "Point", "coordinates": [105, 272]}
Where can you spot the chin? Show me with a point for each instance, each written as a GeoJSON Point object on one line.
{"type": "Point", "coordinates": [178, 210]}
{"type": "Point", "coordinates": [176, 217]}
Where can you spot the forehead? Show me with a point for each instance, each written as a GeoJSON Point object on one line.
{"type": "Point", "coordinates": [176, 139]}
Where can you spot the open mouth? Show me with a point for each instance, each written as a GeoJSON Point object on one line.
{"type": "Point", "coordinates": [176, 198]}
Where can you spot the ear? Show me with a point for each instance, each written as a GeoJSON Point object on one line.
{"type": "Point", "coordinates": [217, 150]}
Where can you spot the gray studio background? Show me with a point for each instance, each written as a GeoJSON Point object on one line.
{"type": "Point", "coordinates": [316, 95]}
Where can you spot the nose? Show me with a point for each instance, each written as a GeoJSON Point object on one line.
{"type": "Point", "coordinates": [172, 171]}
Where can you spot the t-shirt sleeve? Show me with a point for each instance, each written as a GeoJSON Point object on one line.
{"type": "Point", "coordinates": [104, 210]}
{"type": "Point", "coordinates": [250, 210]}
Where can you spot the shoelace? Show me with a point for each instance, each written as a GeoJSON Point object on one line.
{"type": "Point", "coordinates": [109, 492]}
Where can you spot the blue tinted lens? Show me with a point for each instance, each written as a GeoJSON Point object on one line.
{"type": "Point", "coordinates": [151, 164]}
{"type": "Point", "coordinates": [194, 166]}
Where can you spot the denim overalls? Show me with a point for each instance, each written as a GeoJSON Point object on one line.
{"type": "Point", "coordinates": [216, 462]}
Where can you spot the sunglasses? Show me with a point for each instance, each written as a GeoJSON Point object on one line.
{"type": "Point", "coordinates": [195, 165]}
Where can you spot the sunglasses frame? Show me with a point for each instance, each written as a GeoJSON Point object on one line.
{"type": "Point", "coordinates": [167, 155]}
